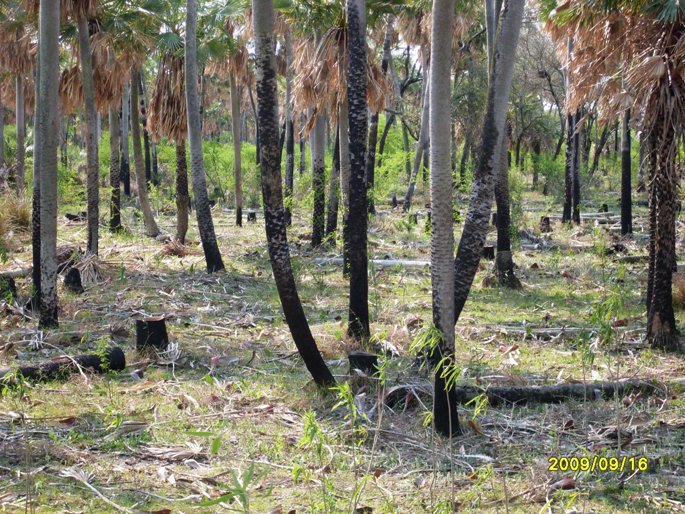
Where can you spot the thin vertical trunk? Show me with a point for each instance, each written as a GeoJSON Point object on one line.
{"type": "Point", "coordinates": [334, 188]}
{"type": "Point", "coordinates": [568, 173]}
{"type": "Point", "coordinates": [536, 162]}
{"type": "Point", "coordinates": [445, 417]}
{"type": "Point", "coordinates": [237, 164]}
{"type": "Point", "coordinates": [274, 214]}
{"type": "Point", "coordinates": [642, 171]}
{"type": "Point", "coordinates": [343, 122]}
{"type": "Point", "coordinates": [465, 153]}
{"type": "Point", "coordinates": [405, 148]}
{"type": "Point", "coordinates": [603, 138]}
{"type": "Point", "coordinates": [626, 199]}
{"type": "Point", "coordinates": [125, 159]}
{"type": "Point", "coordinates": [197, 168]}
{"type": "Point", "coordinates": [477, 220]}
{"type": "Point", "coordinates": [182, 196]}
{"type": "Point", "coordinates": [289, 128]}
{"type": "Point", "coordinates": [47, 135]}
{"type": "Point", "coordinates": [389, 120]}
{"type": "Point", "coordinates": [151, 228]}
{"type": "Point", "coordinates": [92, 173]}
{"type": "Point", "coordinates": [317, 143]}
{"type": "Point", "coordinates": [504, 263]}
{"type": "Point", "coordinates": [358, 326]}
{"type": "Point", "coordinates": [2, 134]}
{"type": "Point", "coordinates": [421, 144]}
{"type": "Point", "coordinates": [256, 126]}
{"type": "Point", "coordinates": [303, 157]}
{"type": "Point", "coordinates": [21, 134]}
{"type": "Point", "coordinates": [371, 163]}
{"type": "Point", "coordinates": [36, 297]}
{"type": "Point", "coordinates": [114, 170]}
{"type": "Point", "coordinates": [575, 200]}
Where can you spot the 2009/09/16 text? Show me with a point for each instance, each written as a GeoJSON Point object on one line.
{"type": "Point", "coordinates": [597, 463]}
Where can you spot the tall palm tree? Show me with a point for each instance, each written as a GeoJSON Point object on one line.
{"type": "Point", "coordinates": [477, 220]}
{"type": "Point", "coordinates": [114, 169]}
{"type": "Point", "coordinates": [445, 417]}
{"type": "Point", "coordinates": [289, 125]}
{"type": "Point", "coordinates": [274, 214]}
{"type": "Point", "coordinates": [151, 228]}
{"type": "Point", "coordinates": [47, 133]}
{"type": "Point", "coordinates": [317, 145]}
{"type": "Point", "coordinates": [19, 115]}
{"type": "Point", "coordinates": [125, 124]}
{"type": "Point", "coordinates": [237, 165]}
{"type": "Point", "coordinates": [202, 208]}
{"type": "Point", "coordinates": [358, 326]}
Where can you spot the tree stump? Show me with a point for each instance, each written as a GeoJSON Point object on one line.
{"type": "Point", "coordinates": [252, 216]}
{"type": "Point", "coordinates": [151, 334]}
{"type": "Point", "coordinates": [363, 361]}
{"type": "Point", "coordinates": [489, 252]}
{"type": "Point", "coordinates": [604, 208]}
{"type": "Point", "coordinates": [72, 280]}
{"type": "Point", "coordinates": [545, 224]}
{"type": "Point", "coordinates": [8, 288]}
{"type": "Point", "coordinates": [393, 202]}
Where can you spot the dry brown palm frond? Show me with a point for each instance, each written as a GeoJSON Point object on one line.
{"type": "Point", "coordinates": [411, 28]}
{"type": "Point", "coordinates": [167, 115]}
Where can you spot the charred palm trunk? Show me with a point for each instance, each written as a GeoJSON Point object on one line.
{"type": "Point", "coordinates": [661, 328]}
{"type": "Point", "coordinates": [303, 158]}
{"type": "Point", "coordinates": [20, 115]}
{"type": "Point", "coordinates": [274, 214]}
{"type": "Point", "coordinates": [182, 196]}
{"type": "Point", "coordinates": [151, 228]}
{"type": "Point", "coordinates": [358, 210]}
{"type": "Point", "coordinates": [334, 188]}
{"type": "Point", "coordinates": [343, 122]}
{"type": "Point", "coordinates": [317, 143]}
{"type": "Point", "coordinates": [389, 121]}
{"type": "Point", "coordinates": [568, 173]}
{"type": "Point", "coordinates": [237, 164]}
{"type": "Point", "coordinates": [603, 138]}
{"type": "Point", "coordinates": [289, 129]}
{"type": "Point", "coordinates": [575, 201]}
{"type": "Point", "coordinates": [92, 177]}
{"type": "Point", "coordinates": [114, 171]}
{"type": "Point", "coordinates": [477, 220]}
{"type": "Point", "coordinates": [125, 154]}
{"type": "Point", "coordinates": [626, 199]}
{"type": "Point", "coordinates": [504, 263]}
{"type": "Point", "coordinates": [202, 208]}
{"type": "Point", "coordinates": [47, 135]}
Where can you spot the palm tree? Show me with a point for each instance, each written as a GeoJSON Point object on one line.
{"type": "Point", "coordinates": [81, 11]}
{"type": "Point", "coordinates": [114, 169]}
{"type": "Point", "coordinates": [151, 228]}
{"type": "Point", "coordinates": [47, 134]}
{"type": "Point", "coordinates": [445, 417]}
{"type": "Point", "coordinates": [125, 124]}
{"type": "Point", "coordinates": [477, 220]}
{"type": "Point", "coordinates": [289, 125]}
{"type": "Point", "coordinates": [237, 172]}
{"type": "Point", "coordinates": [202, 208]}
{"type": "Point", "coordinates": [334, 188]}
{"type": "Point", "coordinates": [358, 326]}
{"type": "Point", "coordinates": [274, 214]}
{"type": "Point", "coordinates": [626, 201]}
{"type": "Point", "coordinates": [317, 145]}
{"type": "Point", "coordinates": [19, 114]}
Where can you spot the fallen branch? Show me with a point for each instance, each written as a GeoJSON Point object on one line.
{"type": "Point", "coordinates": [377, 262]}
{"type": "Point", "coordinates": [112, 359]}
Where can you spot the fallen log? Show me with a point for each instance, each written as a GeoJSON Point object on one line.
{"type": "Point", "coordinates": [112, 359]}
{"type": "Point", "coordinates": [522, 395]}
{"type": "Point", "coordinates": [377, 262]}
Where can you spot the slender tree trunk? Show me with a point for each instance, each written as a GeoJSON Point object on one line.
{"type": "Point", "coordinates": [47, 134]}
{"type": "Point", "coordinates": [93, 172]}
{"type": "Point", "coordinates": [567, 215]}
{"type": "Point", "coordinates": [303, 157]}
{"type": "Point", "coordinates": [603, 138]}
{"type": "Point", "coordinates": [389, 120]}
{"type": "Point", "coordinates": [358, 326]}
{"type": "Point", "coordinates": [274, 214]}
{"type": "Point", "coordinates": [2, 134]}
{"type": "Point", "coordinates": [114, 170]}
{"type": "Point", "coordinates": [151, 228]}
{"type": "Point", "coordinates": [576, 171]}
{"type": "Point", "coordinates": [405, 148]}
{"type": "Point", "coordinates": [642, 171]}
{"type": "Point", "coordinates": [423, 135]}
{"type": "Point", "coordinates": [182, 196]}
{"type": "Point", "coordinates": [289, 128]}
{"type": "Point", "coordinates": [36, 297]}
{"type": "Point", "coordinates": [256, 125]}
{"type": "Point", "coordinates": [125, 159]}
{"type": "Point", "coordinates": [661, 328]}
{"type": "Point", "coordinates": [626, 171]}
{"type": "Point", "coordinates": [445, 417]}
{"type": "Point", "coordinates": [477, 220]}
{"type": "Point", "coordinates": [317, 143]}
{"type": "Point", "coordinates": [343, 127]}
{"type": "Point", "coordinates": [334, 188]}
{"type": "Point", "coordinates": [371, 163]}
{"type": "Point", "coordinates": [237, 164]}
{"type": "Point", "coordinates": [19, 115]}
{"type": "Point", "coordinates": [202, 209]}
{"type": "Point", "coordinates": [536, 162]}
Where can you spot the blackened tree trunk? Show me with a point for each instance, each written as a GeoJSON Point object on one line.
{"type": "Point", "coordinates": [445, 417]}
{"type": "Point", "coordinates": [197, 168]}
{"type": "Point", "coordinates": [317, 143]}
{"type": "Point", "coordinates": [47, 135]}
{"type": "Point", "coordinates": [114, 170]}
{"type": "Point", "coordinates": [182, 195]}
{"type": "Point", "coordinates": [274, 214]}
{"type": "Point", "coordinates": [237, 164]}
{"type": "Point", "coordinates": [358, 326]}
{"type": "Point", "coordinates": [504, 263]}
{"type": "Point", "coordinates": [575, 200]}
{"type": "Point", "coordinates": [626, 199]}
{"type": "Point", "coordinates": [477, 220]}
{"type": "Point", "coordinates": [125, 154]}
{"type": "Point", "coordinates": [568, 172]}
{"type": "Point", "coordinates": [303, 157]}
{"type": "Point", "coordinates": [19, 114]}
{"type": "Point", "coordinates": [93, 172]}
{"type": "Point", "coordinates": [289, 128]}
{"type": "Point", "coordinates": [151, 228]}
{"type": "Point", "coordinates": [661, 328]}
{"type": "Point", "coordinates": [334, 188]}
{"type": "Point", "coordinates": [344, 128]}
{"type": "Point", "coordinates": [599, 147]}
